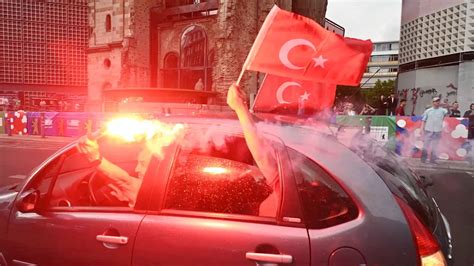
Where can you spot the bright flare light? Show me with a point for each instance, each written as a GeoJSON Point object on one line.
{"type": "Point", "coordinates": [130, 129]}
{"type": "Point", "coordinates": [215, 170]}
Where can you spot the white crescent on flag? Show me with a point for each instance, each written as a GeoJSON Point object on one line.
{"type": "Point", "coordinates": [281, 90]}
{"type": "Point", "coordinates": [286, 48]}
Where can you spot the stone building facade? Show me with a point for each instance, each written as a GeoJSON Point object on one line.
{"type": "Point", "coordinates": [175, 50]}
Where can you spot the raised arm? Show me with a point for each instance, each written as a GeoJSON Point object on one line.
{"type": "Point", "coordinates": [261, 151]}
{"type": "Point", "coordinates": [128, 185]}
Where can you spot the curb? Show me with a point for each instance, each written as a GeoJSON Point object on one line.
{"type": "Point", "coordinates": [36, 138]}
{"type": "Point", "coordinates": [446, 165]}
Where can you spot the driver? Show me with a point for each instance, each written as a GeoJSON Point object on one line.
{"type": "Point", "coordinates": [124, 187]}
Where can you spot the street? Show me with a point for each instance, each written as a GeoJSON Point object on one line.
{"type": "Point", "coordinates": [453, 193]}
{"type": "Point", "coordinates": [452, 188]}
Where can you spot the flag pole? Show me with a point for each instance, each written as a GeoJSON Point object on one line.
{"type": "Point", "coordinates": [240, 76]}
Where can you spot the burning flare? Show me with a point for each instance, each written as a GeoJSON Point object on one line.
{"type": "Point", "coordinates": [155, 133]}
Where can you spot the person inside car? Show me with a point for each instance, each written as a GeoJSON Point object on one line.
{"type": "Point", "coordinates": [260, 149]}
{"type": "Point", "coordinates": [123, 186]}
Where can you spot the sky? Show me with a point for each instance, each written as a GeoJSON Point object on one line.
{"type": "Point", "coordinates": [378, 20]}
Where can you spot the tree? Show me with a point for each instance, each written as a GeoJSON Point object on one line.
{"type": "Point", "coordinates": [372, 95]}
{"type": "Point", "coordinates": [349, 94]}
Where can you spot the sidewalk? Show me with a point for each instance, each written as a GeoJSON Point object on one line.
{"type": "Point", "coordinates": [442, 164]}
{"type": "Point", "coordinates": [5, 137]}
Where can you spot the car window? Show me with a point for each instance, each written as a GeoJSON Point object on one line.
{"type": "Point", "coordinates": [407, 187]}
{"type": "Point", "coordinates": [43, 179]}
{"type": "Point", "coordinates": [219, 176]}
{"type": "Point", "coordinates": [324, 202]}
{"type": "Point", "coordinates": [72, 181]}
{"type": "Point", "coordinates": [398, 177]}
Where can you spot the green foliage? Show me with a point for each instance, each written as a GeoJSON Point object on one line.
{"type": "Point", "coordinates": [349, 93]}
{"type": "Point", "coordinates": [372, 95]}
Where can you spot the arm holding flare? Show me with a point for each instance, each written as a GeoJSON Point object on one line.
{"type": "Point", "coordinates": [124, 186]}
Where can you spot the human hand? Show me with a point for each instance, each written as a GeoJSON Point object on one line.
{"type": "Point", "coordinates": [236, 98]}
{"type": "Point", "coordinates": [89, 147]}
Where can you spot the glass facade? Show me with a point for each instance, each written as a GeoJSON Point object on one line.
{"type": "Point", "coordinates": [44, 42]}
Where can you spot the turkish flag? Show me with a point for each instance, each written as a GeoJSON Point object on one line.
{"type": "Point", "coordinates": [291, 45]}
{"type": "Point", "coordinates": [278, 94]}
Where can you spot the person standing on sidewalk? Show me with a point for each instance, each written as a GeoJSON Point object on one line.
{"type": "Point", "coordinates": [431, 128]}
{"type": "Point", "coordinates": [454, 112]}
{"type": "Point", "coordinates": [470, 115]}
{"type": "Point", "coordinates": [401, 108]}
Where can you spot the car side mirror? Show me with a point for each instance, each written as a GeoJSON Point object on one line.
{"type": "Point", "coordinates": [28, 201]}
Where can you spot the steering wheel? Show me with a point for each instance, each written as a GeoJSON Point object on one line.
{"type": "Point", "coordinates": [100, 193]}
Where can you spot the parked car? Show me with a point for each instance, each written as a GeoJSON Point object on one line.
{"type": "Point", "coordinates": [201, 203]}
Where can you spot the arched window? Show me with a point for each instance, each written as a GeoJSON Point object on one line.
{"type": "Point", "coordinates": [108, 23]}
{"type": "Point", "coordinates": [170, 70]}
{"type": "Point", "coordinates": [106, 86]}
{"type": "Point", "coordinates": [194, 63]}
{"type": "Point", "coordinates": [171, 60]}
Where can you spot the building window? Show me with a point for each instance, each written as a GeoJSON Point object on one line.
{"type": "Point", "coordinates": [192, 68]}
{"type": "Point", "coordinates": [394, 46]}
{"type": "Point", "coordinates": [170, 70]}
{"type": "Point", "coordinates": [108, 23]}
{"type": "Point", "coordinates": [194, 63]}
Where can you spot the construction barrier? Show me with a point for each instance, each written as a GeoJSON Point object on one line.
{"type": "Point", "coordinates": [16, 122]}
{"type": "Point", "coordinates": [382, 128]}
{"type": "Point", "coordinates": [2, 123]}
{"type": "Point", "coordinates": [64, 124]}
{"type": "Point", "coordinates": [403, 134]}
{"type": "Point", "coordinates": [452, 146]}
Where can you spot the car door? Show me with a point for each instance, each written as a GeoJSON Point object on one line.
{"type": "Point", "coordinates": [67, 228]}
{"type": "Point", "coordinates": [216, 208]}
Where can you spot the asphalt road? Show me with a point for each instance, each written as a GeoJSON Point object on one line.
{"type": "Point", "coordinates": [453, 189]}
{"type": "Point", "coordinates": [18, 157]}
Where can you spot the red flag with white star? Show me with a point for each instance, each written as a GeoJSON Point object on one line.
{"type": "Point", "coordinates": [296, 96]}
{"type": "Point", "coordinates": [291, 45]}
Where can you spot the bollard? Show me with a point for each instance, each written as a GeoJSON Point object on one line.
{"type": "Point", "coordinates": [42, 125]}
{"type": "Point", "coordinates": [7, 125]}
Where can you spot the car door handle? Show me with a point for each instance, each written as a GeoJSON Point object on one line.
{"type": "Point", "coordinates": [273, 258]}
{"type": "Point", "coordinates": [121, 240]}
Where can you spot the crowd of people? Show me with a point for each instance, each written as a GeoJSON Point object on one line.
{"type": "Point", "coordinates": [43, 105]}
{"type": "Point", "coordinates": [393, 107]}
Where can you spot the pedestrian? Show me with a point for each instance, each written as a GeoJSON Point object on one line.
{"type": "Point", "coordinates": [199, 86]}
{"type": "Point", "coordinates": [349, 110]}
{"type": "Point", "coordinates": [382, 106]}
{"type": "Point", "coordinates": [42, 105]}
{"type": "Point", "coordinates": [470, 111]}
{"type": "Point", "coordinates": [431, 128]}
{"type": "Point", "coordinates": [401, 108]}
{"type": "Point", "coordinates": [470, 114]}
{"type": "Point", "coordinates": [392, 103]}
{"type": "Point", "coordinates": [454, 111]}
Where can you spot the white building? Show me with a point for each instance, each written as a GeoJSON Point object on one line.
{"type": "Point", "coordinates": [383, 64]}
{"type": "Point", "coordinates": [436, 53]}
